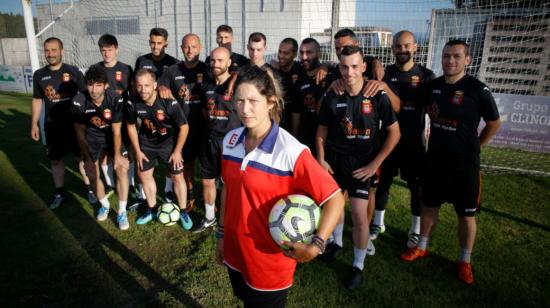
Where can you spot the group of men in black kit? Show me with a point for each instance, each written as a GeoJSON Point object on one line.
{"type": "Point", "coordinates": [365, 124]}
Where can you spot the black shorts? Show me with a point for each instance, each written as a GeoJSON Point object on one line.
{"type": "Point", "coordinates": [343, 166]}
{"type": "Point", "coordinates": [60, 140]}
{"type": "Point", "coordinates": [252, 297]}
{"type": "Point", "coordinates": [409, 164]}
{"type": "Point", "coordinates": [105, 147]}
{"type": "Point", "coordinates": [162, 153]}
{"type": "Point", "coordinates": [192, 147]}
{"type": "Point", "coordinates": [211, 158]}
{"type": "Point", "coordinates": [459, 184]}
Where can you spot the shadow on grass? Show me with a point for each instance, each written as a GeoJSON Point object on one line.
{"type": "Point", "coordinates": [27, 158]}
{"type": "Point", "coordinates": [517, 219]}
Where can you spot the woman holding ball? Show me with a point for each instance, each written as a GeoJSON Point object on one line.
{"type": "Point", "coordinates": [261, 164]}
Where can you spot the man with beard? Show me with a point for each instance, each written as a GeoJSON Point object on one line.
{"type": "Point", "coordinates": [161, 136]}
{"type": "Point", "coordinates": [409, 79]}
{"type": "Point", "coordinates": [55, 85]}
{"type": "Point", "coordinates": [457, 103]}
{"type": "Point", "coordinates": [218, 106]}
{"type": "Point", "coordinates": [98, 121]}
{"type": "Point", "coordinates": [288, 70]}
{"type": "Point", "coordinates": [119, 76]}
{"type": "Point", "coordinates": [348, 147]}
{"type": "Point", "coordinates": [224, 38]}
{"type": "Point", "coordinates": [307, 94]}
{"type": "Point", "coordinates": [157, 60]}
{"type": "Point", "coordinates": [182, 81]}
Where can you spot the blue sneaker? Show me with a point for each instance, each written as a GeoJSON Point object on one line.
{"type": "Point", "coordinates": [103, 213]}
{"type": "Point", "coordinates": [186, 221]}
{"type": "Point", "coordinates": [122, 220]}
{"type": "Point", "coordinates": [146, 218]}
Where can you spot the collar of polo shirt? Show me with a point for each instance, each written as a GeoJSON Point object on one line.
{"type": "Point", "coordinates": [268, 143]}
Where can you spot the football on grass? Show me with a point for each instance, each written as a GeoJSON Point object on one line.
{"type": "Point", "coordinates": [168, 214]}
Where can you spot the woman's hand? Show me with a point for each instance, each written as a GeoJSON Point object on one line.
{"type": "Point", "coordinates": [300, 252]}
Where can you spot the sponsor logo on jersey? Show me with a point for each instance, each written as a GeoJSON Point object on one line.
{"type": "Point", "coordinates": [160, 115]}
{"type": "Point", "coordinates": [200, 77]}
{"type": "Point", "coordinates": [366, 106]}
{"type": "Point", "coordinates": [233, 140]}
{"type": "Point", "coordinates": [107, 114]}
{"type": "Point", "coordinates": [393, 79]}
{"type": "Point", "coordinates": [415, 82]}
{"type": "Point", "coordinates": [141, 112]}
{"type": "Point", "coordinates": [118, 76]}
{"type": "Point", "coordinates": [341, 105]}
{"type": "Point", "coordinates": [89, 111]}
{"type": "Point", "coordinates": [305, 86]}
{"type": "Point", "coordinates": [150, 67]}
{"type": "Point", "coordinates": [458, 97]}
{"type": "Point", "coordinates": [76, 103]}
{"type": "Point", "coordinates": [46, 78]}
{"type": "Point", "coordinates": [436, 91]}
{"type": "Point", "coordinates": [179, 77]}
{"type": "Point", "coordinates": [66, 77]}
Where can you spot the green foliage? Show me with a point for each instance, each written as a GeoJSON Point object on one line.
{"type": "Point", "coordinates": [65, 258]}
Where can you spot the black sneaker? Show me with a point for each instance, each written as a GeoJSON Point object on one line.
{"type": "Point", "coordinates": [205, 224]}
{"type": "Point", "coordinates": [169, 197]}
{"type": "Point", "coordinates": [332, 251]}
{"type": "Point", "coordinates": [356, 278]}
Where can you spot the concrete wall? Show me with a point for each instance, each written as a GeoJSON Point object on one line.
{"type": "Point", "coordinates": [14, 51]}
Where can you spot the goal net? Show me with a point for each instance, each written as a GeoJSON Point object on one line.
{"type": "Point", "coordinates": [509, 42]}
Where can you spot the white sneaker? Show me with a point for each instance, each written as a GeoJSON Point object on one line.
{"type": "Point", "coordinates": [414, 238]}
{"type": "Point", "coordinates": [122, 220]}
{"type": "Point", "coordinates": [371, 250]}
{"type": "Point", "coordinates": [376, 230]}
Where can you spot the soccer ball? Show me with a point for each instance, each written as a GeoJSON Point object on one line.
{"type": "Point", "coordinates": [168, 214]}
{"type": "Point", "coordinates": [294, 219]}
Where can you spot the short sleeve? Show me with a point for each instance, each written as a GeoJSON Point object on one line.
{"type": "Point", "coordinates": [325, 113]}
{"type": "Point", "coordinates": [117, 109]}
{"type": "Point", "coordinates": [312, 180]}
{"type": "Point", "coordinates": [130, 112]}
{"type": "Point", "coordinates": [487, 105]}
{"type": "Point", "coordinates": [385, 111]}
{"type": "Point", "coordinates": [175, 111]}
{"type": "Point", "coordinates": [165, 78]}
{"type": "Point", "coordinates": [36, 89]}
{"type": "Point", "coordinates": [77, 109]}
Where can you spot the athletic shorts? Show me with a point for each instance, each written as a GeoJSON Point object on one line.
{"type": "Point", "coordinates": [211, 158]}
{"type": "Point", "coordinates": [410, 165]}
{"type": "Point", "coordinates": [252, 297]}
{"type": "Point", "coordinates": [156, 154]}
{"type": "Point", "coordinates": [343, 166]}
{"type": "Point", "coordinates": [97, 148]}
{"type": "Point", "coordinates": [192, 147]}
{"type": "Point", "coordinates": [60, 140]}
{"type": "Point", "coordinates": [458, 184]}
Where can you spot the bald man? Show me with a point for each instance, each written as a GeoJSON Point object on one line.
{"type": "Point", "coordinates": [221, 117]}
{"type": "Point", "coordinates": [182, 81]}
{"type": "Point", "coordinates": [408, 80]}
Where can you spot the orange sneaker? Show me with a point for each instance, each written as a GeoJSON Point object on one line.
{"type": "Point", "coordinates": [413, 254]}
{"type": "Point", "coordinates": [465, 272]}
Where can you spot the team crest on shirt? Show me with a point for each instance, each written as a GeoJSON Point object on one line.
{"type": "Point", "coordinates": [118, 76]}
{"type": "Point", "coordinates": [415, 82]}
{"type": "Point", "coordinates": [458, 97]}
{"type": "Point", "coordinates": [211, 103]}
{"type": "Point", "coordinates": [366, 106]}
{"type": "Point", "coordinates": [200, 77]}
{"type": "Point", "coordinates": [66, 77]}
{"type": "Point", "coordinates": [227, 97]}
{"type": "Point", "coordinates": [107, 114]}
{"type": "Point", "coordinates": [233, 140]}
{"type": "Point", "coordinates": [160, 115]}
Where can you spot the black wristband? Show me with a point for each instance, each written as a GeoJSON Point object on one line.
{"type": "Point", "coordinates": [319, 242]}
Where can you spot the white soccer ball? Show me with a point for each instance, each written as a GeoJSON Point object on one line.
{"type": "Point", "coordinates": [168, 214]}
{"type": "Point", "coordinates": [294, 219]}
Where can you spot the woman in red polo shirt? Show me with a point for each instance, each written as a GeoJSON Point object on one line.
{"type": "Point", "coordinates": [262, 163]}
